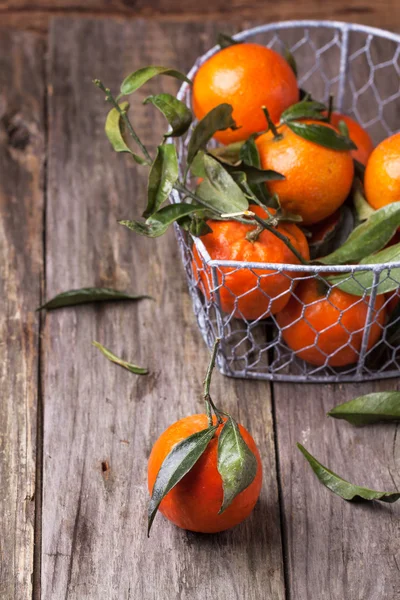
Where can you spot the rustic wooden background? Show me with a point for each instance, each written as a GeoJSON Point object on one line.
{"type": "Point", "coordinates": [76, 431]}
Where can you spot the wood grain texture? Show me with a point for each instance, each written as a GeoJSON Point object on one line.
{"type": "Point", "coordinates": [37, 15]}
{"type": "Point", "coordinates": [21, 205]}
{"type": "Point", "coordinates": [336, 549]}
{"type": "Point", "coordinates": [99, 420]}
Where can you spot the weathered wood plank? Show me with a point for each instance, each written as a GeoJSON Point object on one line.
{"type": "Point", "coordinates": [335, 549]}
{"type": "Point", "coordinates": [21, 206]}
{"type": "Point", "coordinates": [37, 15]}
{"type": "Point", "coordinates": [94, 516]}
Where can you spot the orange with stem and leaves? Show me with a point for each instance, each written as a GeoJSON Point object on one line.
{"type": "Point", "coordinates": [204, 471]}
{"type": "Point", "coordinates": [318, 174]}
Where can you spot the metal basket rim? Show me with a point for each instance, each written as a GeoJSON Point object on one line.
{"type": "Point", "coordinates": [291, 24]}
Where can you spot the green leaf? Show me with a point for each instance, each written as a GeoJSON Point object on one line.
{"type": "Point", "coordinates": [162, 177]}
{"type": "Point", "coordinates": [178, 115]}
{"type": "Point", "coordinates": [322, 135]}
{"type": "Point", "coordinates": [236, 464]}
{"type": "Point", "coordinates": [229, 154]}
{"type": "Point", "coordinates": [176, 465]}
{"type": "Point", "coordinates": [369, 237]}
{"type": "Point", "coordinates": [218, 191]}
{"type": "Point", "coordinates": [343, 488]}
{"type": "Point", "coordinates": [362, 208]}
{"type": "Point", "coordinates": [114, 132]}
{"type": "Point", "coordinates": [248, 153]}
{"type": "Point", "coordinates": [344, 130]}
{"type": "Point", "coordinates": [138, 78]}
{"type": "Point", "coordinates": [306, 109]}
{"type": "Point", "coordinates": [250, 156]}
{"type": "Point", "coordinates": [224, 40]}
{"type": "Point", "coordinates": [218, 119]}
{"type": "Point", "coordinates": [158, 223]}
{"type": "Point", "coordinates": [256, 176]}
{"type": "Point", "coordinates": [290, 59]}
{"type": "Point", "coordinates": [372, 408]}
{"type": "Point", "coordinates": [88, 295]}
{"type": "Point", "coordinates": [118, 361]}
{"type": "Point", "coordinates": [334, 237]}
{"type": "Point", "coordinates": [362, 281]}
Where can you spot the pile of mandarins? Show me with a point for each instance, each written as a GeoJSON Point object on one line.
{"type": "Point", "coordinates": [322, 325]}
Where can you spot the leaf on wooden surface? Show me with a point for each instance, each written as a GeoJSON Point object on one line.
{"type": "Point", "coordinates": [162, 177]}
{"type": "Point", "coordinates": [118, 361]}
{"type": "Point", "coordinates": [138, 78]}
{"type": "Point", "coordinates": [343, 488]}
{"type": "Point", "coordinates": [178, 115]}
{"type": "Point", "coordinates": [88, 295]}
{"type": "Point", "coordinates": [176, 465]}
{"type": "Point", "coordinates": [236, 463]}
{"type": "Point", "coordinates": [372, 408]}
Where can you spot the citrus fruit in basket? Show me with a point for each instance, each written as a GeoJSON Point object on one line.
{"type": "Point", "coordinates": [358, 135]}
{"type": "Point", "coordinates": [250, 293]}
{"type": "Point", "coordinates": [382, 175]}
{"type": "Point", "coordinates": [247, 76]}
{"type": "Point", "coordinates": [327, 328]}
{"type": "Point", "coordinates": [317, 179]}
{"type": "Point", "coordinates": [194, 503]}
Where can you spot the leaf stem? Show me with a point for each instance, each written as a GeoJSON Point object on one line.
{"type": "Point", "coordinates": [110, 98]}
{"type": "Point", "coordinates": [271, 124]}
{"type": "Point", "coordinates": [207, 381]}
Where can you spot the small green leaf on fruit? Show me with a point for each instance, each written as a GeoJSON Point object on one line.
{"type": "Point", "coordinates": [306, 109]}
{"type": "Point", "coordinates": [372, 408]}
{"type": "Point", "coordinates": [236, 463]}
{"type": "Point", "coordinates": [176, 465]}
{"type": "Point", "coordinates": [118, 361]}
{"type": "Point", "coordinates": [343, 488]}
{"type": "Point", "coordinates": [322, 135]}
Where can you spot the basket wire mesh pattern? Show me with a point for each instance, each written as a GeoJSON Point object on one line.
{"type": "Point", "coordinates": [360, 66]}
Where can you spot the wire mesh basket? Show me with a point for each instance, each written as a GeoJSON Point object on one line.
{"type": "Point", "coordinates": [360, 66]}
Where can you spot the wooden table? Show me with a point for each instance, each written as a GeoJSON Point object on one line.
{"type": "Point", "coordinates": [76, 431]}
